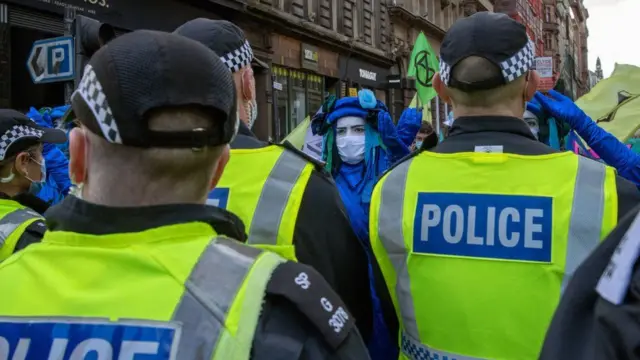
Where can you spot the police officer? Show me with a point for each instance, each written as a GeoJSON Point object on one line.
{"type": "Point", "coordinates": [287, 202]}
{"type": "Point", "coordinates": [22, 173]}
{"type": "Point", "coordinates": [478, 238]}
{"type": "Point", "coordinates": [597, 318]}
{"type": "Point", "coordinates": [153, 267]}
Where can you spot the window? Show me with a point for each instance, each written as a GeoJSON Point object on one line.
{"type": "Point", "coordinates": [282, 103]}
{"type": "Point", "coordinates": [297, 99]}
{"type": "Point", "coordinates": [302, 93]}
{"type": "Point", "coordinates": [548, 41]}
{"type": "Point", "coordinates": [315, 90]}
{"type": "Point", "coordinates": [548, 14]}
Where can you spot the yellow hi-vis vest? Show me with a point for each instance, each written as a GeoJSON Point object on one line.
{"type": "Point", "coordinates": [168, 293]}
{"type": "Point", "coordinates": [477, 248]}
{"type": "Point", "coordinates": [264, 188]}
{"type": "Point", "coordinates": [14, 219]}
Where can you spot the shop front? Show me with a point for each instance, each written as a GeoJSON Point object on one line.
{"type": "Point", "coordinates": [302, 75]}
{"type": "Point", "coordinates": [357, 74]}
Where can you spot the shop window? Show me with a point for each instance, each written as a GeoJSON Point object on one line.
{"type": "Point", "coordinates": [314, 93]}
{"type": "Point", "coordinates": [280, 124]}
{"type": "Point", "coordinates": [302, 94]}
{"type": "Point", "coordinates": [297, 98]}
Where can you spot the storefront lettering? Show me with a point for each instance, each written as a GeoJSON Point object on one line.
{"type": "Point", "coordinates": [90, 5]}
{"type": "Point", "coordinates": [369, 75]}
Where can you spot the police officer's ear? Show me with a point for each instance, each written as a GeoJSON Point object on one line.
{"type": "Point", "coordinates": [441, 89]}
{"type": "Point", "coordinates": [532, 85]}
{"type": "Point", "coordinates": [77, 155]}
{"type": "Point", "coordinates": [220, 165]}
{"type": "Point", "coordinates": [247, 83]}
{"type": "Point", "coordinates": [21, 163]}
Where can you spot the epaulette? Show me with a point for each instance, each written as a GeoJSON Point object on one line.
{"type": "Point", "coordinates": [319, 165]}
{"type": "Point", "coordinates": [314, 298]}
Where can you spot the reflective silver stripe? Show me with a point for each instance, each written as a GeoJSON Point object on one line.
{"type": "Point", "coordinates": [587, 211]}
{"type": "Point", "coordinates": [209, 293]}
{"type": "Point", "coordinates": [10, 222]}
{"type": "Point", "coordinates": [415, 350]}
{"type": "Point", "coordinates": [584, 228]}
{"type": "Point", "coordinates": [392, 238]}
{"type": "Point", "coordinates": [274, 198]}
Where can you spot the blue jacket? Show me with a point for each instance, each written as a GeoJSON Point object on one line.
{"type": "Point", "coordinates": [57, 183]}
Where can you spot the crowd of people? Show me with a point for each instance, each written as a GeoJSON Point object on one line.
{"type": "Point", "coordinates": [146, 221]}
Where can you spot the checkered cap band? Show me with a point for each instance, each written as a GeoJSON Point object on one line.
{"type": "Point", "coordinates": [90, 90]}
{"type": "Point", "coordinates": [512, 68]}
{"type": "Point", "coordinates": [445, 72]}
{"type": "Point", "coordinates": [519, 63]}
{"type": "Point", "coordinates": [15, 133]}
{"type": "Point", "coordinates": [414, 350]}
{"type": "Point", "coordinates": [238, 58]}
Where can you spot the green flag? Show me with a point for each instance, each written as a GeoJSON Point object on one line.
{"type": "Point", "coordinates": [423, 65]}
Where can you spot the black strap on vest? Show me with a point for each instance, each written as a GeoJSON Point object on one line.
{"type": "Point", "coordinates": [312, 295]}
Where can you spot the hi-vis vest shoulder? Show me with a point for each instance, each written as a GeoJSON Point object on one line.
{"type": "Point", "coordinates": [477, 248]}
{"type": "Point", "coordinates": [169, 293]}
{"type": "Point", "coordinates": [264, 187]}
{"type": "Point", "coordinates": [14, 219]}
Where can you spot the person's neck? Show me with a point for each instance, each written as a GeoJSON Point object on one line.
{"type": "Point", "coordinates": [10, 190]}
{"type": "Point", "coordinates": [476, 111]}
{"type": "Point", "coordinates": [117, 195]}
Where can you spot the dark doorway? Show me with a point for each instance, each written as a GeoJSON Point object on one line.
{"type": "Point", "coordinates": [24, 93]}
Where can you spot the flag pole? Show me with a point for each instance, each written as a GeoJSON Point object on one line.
{"type": "Point", "coordinates": [437, 115]}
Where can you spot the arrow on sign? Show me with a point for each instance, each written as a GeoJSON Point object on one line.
{"type": "Point", "coordinates": [38, 70]}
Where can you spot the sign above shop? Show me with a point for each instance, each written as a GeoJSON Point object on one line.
{"type": "Point", "coordinates": [126, 14]}
{"type": "Point", "coordinates": [309, 57]}
{"type": "Point", "coordinates": [368, 74]}
{"type": "Point", "coordinates": [363, 73]}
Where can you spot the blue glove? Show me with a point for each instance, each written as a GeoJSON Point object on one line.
{"type": "Point", "coordinates": [564, 109]}
{"type": "Point", "coordinates": [396, 149]}
{"type": "Point", "coordinates": [409, 125]}
{"type": "Point", "coordinates": [613, 152]}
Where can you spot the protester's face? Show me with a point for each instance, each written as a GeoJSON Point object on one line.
{"type": "Point", "coordinates": [350, 139]}
{"type": "Point", "coordinates": [350, 126]}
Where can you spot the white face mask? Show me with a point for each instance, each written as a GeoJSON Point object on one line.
{"type": "Point", "coordinates": [350, 139]}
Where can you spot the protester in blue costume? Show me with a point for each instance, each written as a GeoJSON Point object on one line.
{"type": "Point", "coordinates": [613, 152]}
{"type": "Point", "coordinates": [360, 142]}
{"type": "Point", "coordinates": [57, 184]}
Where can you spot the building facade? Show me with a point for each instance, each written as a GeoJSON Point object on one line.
{"type": "Point", "coordinates": [565, 35]}
{"type": "Point", "coordinates": [312, 47]}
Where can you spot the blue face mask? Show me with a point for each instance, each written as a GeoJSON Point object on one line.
{"type": "Point", "coordinates": [36, 186]}
{"type": "Point", "coordinates": [418, 145]}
